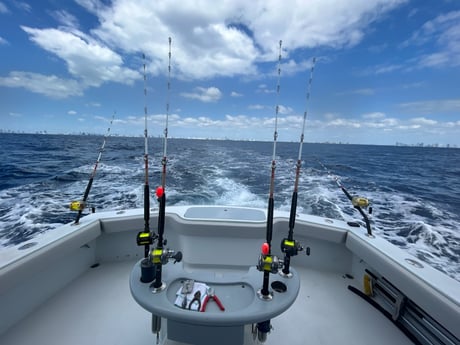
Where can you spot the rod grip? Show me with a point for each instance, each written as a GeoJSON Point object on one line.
{"type": "Point", "coordinates": [271, 205]}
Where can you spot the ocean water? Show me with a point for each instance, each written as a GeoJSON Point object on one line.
{"type": "Point", "coordinates": [414, 191]}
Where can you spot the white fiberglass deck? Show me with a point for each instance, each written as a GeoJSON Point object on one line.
{"type": "Point", "coordinates": [98, 308]}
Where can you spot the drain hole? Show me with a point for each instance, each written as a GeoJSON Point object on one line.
{"type": "Point", "coordinates": [279, 286]}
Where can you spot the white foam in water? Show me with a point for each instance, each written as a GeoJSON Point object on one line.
{"type": "Point", "coordinates": [235, 194]}
{"type": "Point", "coordinates": [211, 173]}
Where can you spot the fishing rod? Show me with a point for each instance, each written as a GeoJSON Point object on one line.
{"type": "Point", "coordinates": [161, 191]}
{"type": "Point", "coordinates": [268, 263]}
{"type": "Point", "coordinates": [80, 205]}
{"type": "Point", "coordinates": [159, 255]}
{"type": "Point", "coordinates": [358, 202]}
{"type": "Point", "coordinates": [145, 237]}
{"type": "Point", "coordinates": [289, 246]}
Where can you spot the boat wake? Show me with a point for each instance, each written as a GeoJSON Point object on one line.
{"type": "Point", "coordinates": [235, 173]}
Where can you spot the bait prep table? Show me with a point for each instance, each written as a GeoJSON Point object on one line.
{"type": "Point", "coordinates": [237, 290]}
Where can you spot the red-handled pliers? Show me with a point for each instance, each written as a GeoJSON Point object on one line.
{"type": "Point", "coordinates": [210, 294]}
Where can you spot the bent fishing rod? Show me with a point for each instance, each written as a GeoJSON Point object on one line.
{"type": "Point", "coordinates": [80, 205]}
{"type": "Point", "coordinates": [289, 246]}
{"type": "Point", "coordinates": [358, 202]}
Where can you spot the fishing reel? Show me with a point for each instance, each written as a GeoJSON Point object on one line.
{"type": "Point", "coordinates": [80, 205]}
{"type": "Point", "coordinates": [145, 238]}
{"type": "Point", "coordinates": [267, 262]}
{"type": "Point", "coordinates": [358, 201]}
{"type": "Point", "coordinates": [162, 256]}
{"type": "Point", "coordinates": [291, 248]}
{"type": "Point", "coordinates": [77, 205]}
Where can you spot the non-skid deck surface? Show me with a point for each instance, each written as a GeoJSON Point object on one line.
{"type": "Point", "coordinates": [98, 309]}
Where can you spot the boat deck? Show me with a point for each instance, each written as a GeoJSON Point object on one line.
{"type": "Point", "coordinates": [97, 308]}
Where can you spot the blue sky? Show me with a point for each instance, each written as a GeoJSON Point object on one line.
{"type": "Point", "coordinates": [387, 71]}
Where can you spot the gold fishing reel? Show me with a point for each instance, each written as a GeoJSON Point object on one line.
{"type": "Point", "coordinates": [77, 205]}
{"type": "Point", "coordinates": [359, 201]}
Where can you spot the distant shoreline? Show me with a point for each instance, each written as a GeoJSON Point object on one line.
{"type": "Point", "coordinates": [398, 144]}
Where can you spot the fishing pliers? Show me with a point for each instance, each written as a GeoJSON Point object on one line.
{"type": "Point", "coordinates": [197, 299]}
{"type": "Point", "coordinates": [210, 294]}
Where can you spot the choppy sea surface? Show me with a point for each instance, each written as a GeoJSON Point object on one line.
{"type": "Point", "coordinates": [414, 191]}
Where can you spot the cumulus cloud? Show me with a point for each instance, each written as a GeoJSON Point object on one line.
{"type": "Point", "coordinates": [48, 85]}
{"type": "Point", "coordinates": [210, 94]}
{"type": "Point", "coordinates": [423, 121]}
{"type": "Point", "coordinates": [86, 60]}
{"type": "Point", "coordinates": [209, 39]}
{"type": "Point", "coordinates": [234, 36]}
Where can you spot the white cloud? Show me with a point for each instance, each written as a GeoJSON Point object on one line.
{"type": "Point", "coordinates": [87, 60]}
{"type": "Point", "coordinates": [210, 94]}
{"type": "Point", "coordinates": [65, 18]}
{"type": "Point", "coordinates": [423, 121]}
{"type": "Point", "coordinates": [432, 106]}
{"type": "Point", "coordinates": [209, 39]}
{"type": "Point", "coordinates": [3, 41]}
{"type": "Point", "coordinates": [72, 112]}
{"type": "Point", "coordinates": [256, 107]}
{"type": "Point", "coordinates": [234, 36]}
{"type": "Point", "coordinates": [292, 67]}
{"type": "Point", "coordinates": [375, 115]}
{"type": "Point", "coordinates": [23, 6]}
{"type": "Point", "coordinates": [357, 129]}
{"type": "Point", "coordinates": [262, 88]}
{"type": "Point", "coordinates": [236, 94]}
{"type": "Point", "coordinates": [284, 110]}
{"type": "Point", "coordinates": [3, 8]}
{"type": "Point", "coordinates": [442, 31]}
{"type": "Point", "coordinates": [48, 85]}
{"type": "Point", "coordinates": [363, 92]}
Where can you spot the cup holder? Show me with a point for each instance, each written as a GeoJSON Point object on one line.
{"type": "Point", "coordinates": [279, 286]}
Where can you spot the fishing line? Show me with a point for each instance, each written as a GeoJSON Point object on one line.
{"type": "Point", "coordinates": [80, 205]}
{"type": "Point", "coordinates": [288, 245]}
